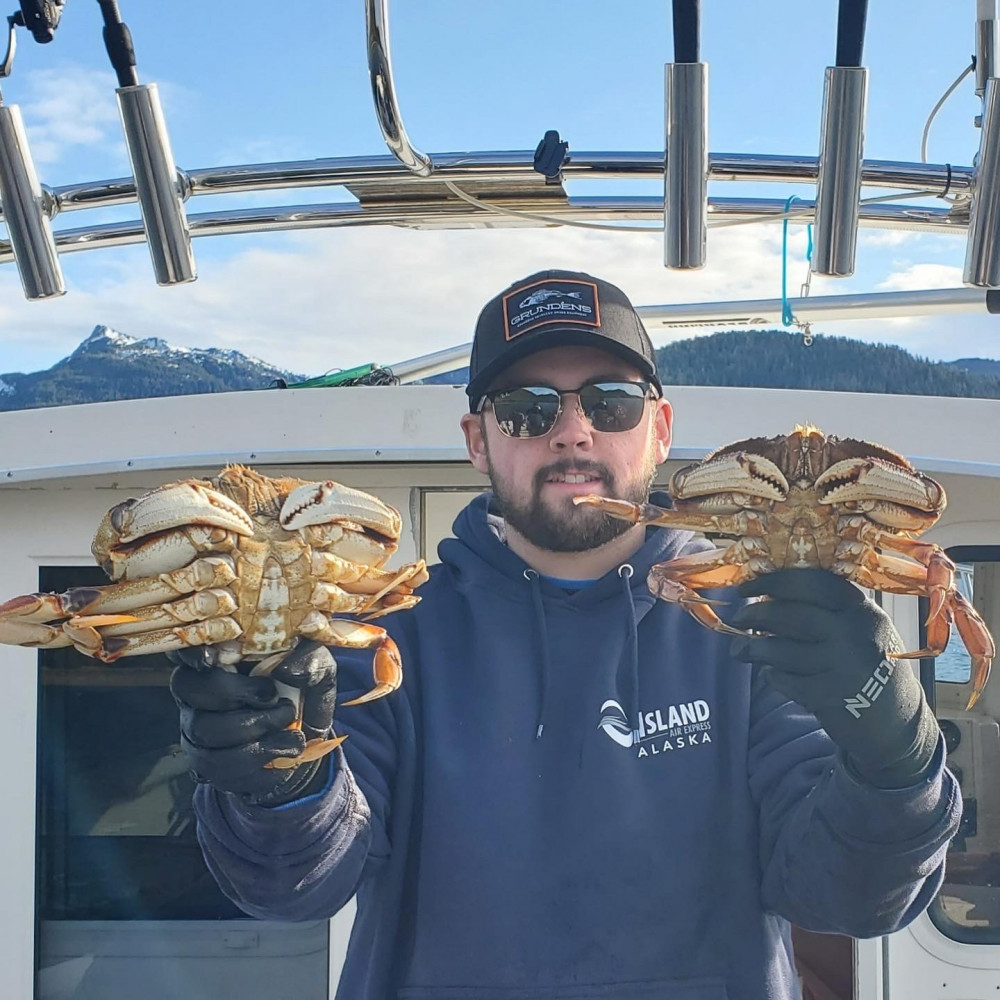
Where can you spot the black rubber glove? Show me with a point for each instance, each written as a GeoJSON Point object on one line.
{"type": "Point", "coordinates": [827, 650]}
{"type": "Point", "coordinates": [233, 724]}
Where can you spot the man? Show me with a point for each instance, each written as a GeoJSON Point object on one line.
{"type": "Point", "coordinates": [579, 791]}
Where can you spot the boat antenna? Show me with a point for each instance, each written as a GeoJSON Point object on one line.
{"type": "Point", "coordinates": [160, 189]}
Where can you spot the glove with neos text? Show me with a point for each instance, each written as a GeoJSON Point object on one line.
{"type": "Point", "coordinates": [233, 724]}
{"type": "Point", "coordinates": [827, 649]}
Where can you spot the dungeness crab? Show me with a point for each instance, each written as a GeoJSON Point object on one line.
{"type": "Point", "coordinates": [241, 562]}
{"type": "Point", "coordinates": [809, 500]}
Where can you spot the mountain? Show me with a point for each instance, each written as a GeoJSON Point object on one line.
{"type": "Point", "coordinates": [780, 360]}
{"type": "Point", "coordinates": [111, 365]}
{"type": "Point", "coordinates": [983, 366]}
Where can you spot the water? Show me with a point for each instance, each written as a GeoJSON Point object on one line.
{"type": "Point", "coordinates": [954, 664]}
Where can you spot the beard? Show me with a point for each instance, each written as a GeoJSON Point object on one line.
{"type": "Point", "coordinates": [566, 527]}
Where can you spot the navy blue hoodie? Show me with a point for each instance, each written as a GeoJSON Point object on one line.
{"type": "Point", "coordinates": [578, 795]}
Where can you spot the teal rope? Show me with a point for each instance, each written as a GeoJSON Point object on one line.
{"type": "Point", "coordinates": [787, 319]}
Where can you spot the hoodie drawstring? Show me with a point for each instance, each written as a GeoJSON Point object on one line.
{"type": "Point", "coordinates": [536, 596]}
{"type": "Point", "coordinates": [625, 572]}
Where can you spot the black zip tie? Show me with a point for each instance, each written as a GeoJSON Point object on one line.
{"type": "Point", "coordinates": [947, 184]}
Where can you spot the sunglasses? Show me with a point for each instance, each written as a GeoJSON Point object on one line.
{"type": "Point", "coordinates": [532, 411]}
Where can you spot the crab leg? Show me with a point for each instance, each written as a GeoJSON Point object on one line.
{"type": "Point", "coordinates": [414, 572]}
{"type": "Point", "coordinates": [740, 524]}
{"type": "Point", "coordinates": [387, 666]}
{"type": "Point", "coordinates": [107, 650]}
{"type": "Point", "coordinates": [678, 580]}
{"type": "Point", "coordinates": [885, 572]}
{"type": "Point", "coordinates": [23, 620]}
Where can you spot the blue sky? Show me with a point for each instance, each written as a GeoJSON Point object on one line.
{"type": "Point", "coordinates": [244, 82]}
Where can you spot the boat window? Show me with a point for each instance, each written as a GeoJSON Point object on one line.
{"type": "Point", "coordinates": [967, 908]}
{"type": "Point", "coordinates": [125, 905]}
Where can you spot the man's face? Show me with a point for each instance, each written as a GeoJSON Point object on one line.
{"type": "Point", "coordinates": [535, 479]}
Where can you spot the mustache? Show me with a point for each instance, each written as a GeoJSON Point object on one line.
{"type": "Point", "coordinates": [577, 465]}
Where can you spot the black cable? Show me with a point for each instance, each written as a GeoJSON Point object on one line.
{"type": "Point", "coordinates": [687, 30]}
{"type": "Point", "coordinates": [118, 42]}
{"type": "Point", "coordinates": [851, 31]}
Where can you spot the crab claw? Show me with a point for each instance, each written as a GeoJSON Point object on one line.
{"type": "Point", "coordinates": [166, 528]}
{"type": "Point", "coordinates": [316, 503]}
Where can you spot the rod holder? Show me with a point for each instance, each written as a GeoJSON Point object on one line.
{"type": "Point", "coordinates": [982, 250]}
{"type": "Point", "coordinates": [685, 178]}
{"type": "Point", "coordinates": [157, 184]}
{"type": "Point", "coordinates": [838, 185]}
{"type": "Point", "coordinates": [987, 44]}
{"type": "Point", "coordinates": [24, 213]}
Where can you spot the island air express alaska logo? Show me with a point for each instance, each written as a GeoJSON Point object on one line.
{"type": "Point", "coordinates": [676, 727]}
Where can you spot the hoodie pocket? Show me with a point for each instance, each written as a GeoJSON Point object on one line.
{"type": "Point", "coordinates": [660, 989]}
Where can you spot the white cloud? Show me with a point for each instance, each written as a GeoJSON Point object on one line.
{"type": "Point", "coordinates": [315, 301]}
{"type": "Point", "coordinates": [888, 237]}
{"type": "Point", "coordinates": [68, 108]}
{"type": "Point", "coordinates": [916, 277]}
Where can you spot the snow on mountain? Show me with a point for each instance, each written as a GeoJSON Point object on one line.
{"type": "Point", "coordinates": [109, 364]}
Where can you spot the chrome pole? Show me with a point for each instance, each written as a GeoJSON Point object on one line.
{"type": "Point", "coordinates": [685, 183]}
{"type": "Point", "coordinates": [982, 251]}
{"type": "Point", "coordinates": [384, 90]}
{"type": "Point", "coordinates": [158, 185]}
{"type": "Point", "coordinates": [821, 308]}
{"type": "Point", "coordinates": [987, 42]}
{"type": "Point", "coordinates": [414, 369]}
{"type": "Point", "coordinates": [838, 188]}
{"type": "Point", "coordinates": [23, 202]}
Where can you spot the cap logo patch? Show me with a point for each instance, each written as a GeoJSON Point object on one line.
{"type": "Point", "coordinates": [532, 306]}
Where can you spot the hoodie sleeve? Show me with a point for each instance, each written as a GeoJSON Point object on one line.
{"type": "Point", "coordinates": [837, 854]}
{"type": "Point", "coordinates": [305, 860]}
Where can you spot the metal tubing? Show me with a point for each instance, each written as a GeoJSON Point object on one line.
{"type": "Point", "coordinates": [987, 43]}
{"type": "Point", "coordinates": [685, 181]}
{"type": "Point", "coordinates": [838, 188]}
{"type": "Point", "coordinates": [437, 214]}
{"type": "Point", "coordinates": [818, 308]}
{"type": "Point", "coordinates": [156, 182]}
{"type": "Point", "coordinates": [414, 369]}
{"type": "Point", "coordinates": [31, 240]}
{"type": "Point", "coordinates": [498, 166]}
{"type": "Point", "coordinates": [384, 90]}
{"type": "Point", "coordinates": [982, 251]}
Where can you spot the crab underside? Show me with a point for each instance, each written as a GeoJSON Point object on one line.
{"type": "Point", "coordinates": [811, 500]}
{"type": "Point", "coordinates": [242, 563]}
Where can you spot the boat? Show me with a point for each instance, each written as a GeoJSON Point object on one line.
{"type": "Point", "coordinates": [105, 894]}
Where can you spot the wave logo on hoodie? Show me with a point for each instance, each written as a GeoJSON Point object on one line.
{"type": "Point", "coordinates": [614, 722]}
{"type": "Point", "coordinates": [676, 727]}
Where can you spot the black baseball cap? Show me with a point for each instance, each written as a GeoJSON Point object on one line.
{"type": "Point", "coordinates": [555, 309]}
